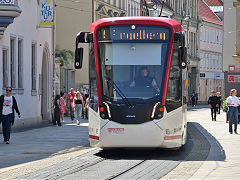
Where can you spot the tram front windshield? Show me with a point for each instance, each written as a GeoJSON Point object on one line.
{"type": "Point", "coordinates": [133, 62]}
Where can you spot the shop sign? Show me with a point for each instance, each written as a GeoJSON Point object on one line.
{"type": "Point", "coordinates": [234, 68]}
{"type": "Point", "coordinates": [46, 12]}
{"type": "Point", "coordinates": [233, 78]}
{"type": "Point", "coordinates": [6, 1]}
{"type": "Point", "coordinates": [202, 74]}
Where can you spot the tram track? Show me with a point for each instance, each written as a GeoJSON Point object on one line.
{"type": "Point", "coordinates": [120, 163]}
{"type": "Point", "coordinates": [115, 176]}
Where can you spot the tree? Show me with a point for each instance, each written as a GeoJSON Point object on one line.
{"type": "Point", "coordinates": [63, 56]}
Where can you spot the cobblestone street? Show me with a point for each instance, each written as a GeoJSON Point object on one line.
{"type": "Point", "coordinates": [64, 153]}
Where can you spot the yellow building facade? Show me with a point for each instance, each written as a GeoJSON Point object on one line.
{"type": "Point", "coordinates": [75, 16]}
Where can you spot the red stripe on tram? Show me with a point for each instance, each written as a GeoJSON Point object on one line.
{"type": "Point", "coordinates": [94, 137]}
{"type": "Point", "coordinates": [172, 137]}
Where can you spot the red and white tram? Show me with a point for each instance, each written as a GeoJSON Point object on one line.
{"type": "Point", "coordinates": [137, 74]}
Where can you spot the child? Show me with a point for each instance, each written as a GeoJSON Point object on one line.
{"type": "Point", "coordinates": [57, 111]}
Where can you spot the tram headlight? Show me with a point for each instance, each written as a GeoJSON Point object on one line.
{"type": "Point", "coordinates": [158, 111]}
{"type": "Point", "coordinates": [104, 111]}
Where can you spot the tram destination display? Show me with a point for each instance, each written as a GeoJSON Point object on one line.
{"type": "Point", "coordinates": [134, 33]}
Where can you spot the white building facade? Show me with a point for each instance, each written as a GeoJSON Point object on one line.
{"type": "Point", "coordinates": [133, 8]}
{"type": "Point", "coordinates": [26, 61]}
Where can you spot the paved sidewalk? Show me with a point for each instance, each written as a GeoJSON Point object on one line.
{"type": "Point", "coordinates": [223, 164]}
{"type": "Point", "coordinates": [40, 143]}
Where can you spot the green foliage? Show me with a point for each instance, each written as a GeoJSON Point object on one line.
{"type": "Point", "coordinates": [64, 55]}
{"type": "Point", "coordinates": [67, 112]}
{"type": "Point", "coordinates": [225, 106]}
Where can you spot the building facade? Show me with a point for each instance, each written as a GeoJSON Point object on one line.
{"type": "Point", "coordinates": [26, 60]}
{"type": "Point", "coordinates": [231, 64]}
{"type": "Point", "coordinates": [133, 8]}
{"type": "Point", "coordinates": [211, 65]}
{"type": "Point", "coordinates": [71, 18]}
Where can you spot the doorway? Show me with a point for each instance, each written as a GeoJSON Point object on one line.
{"type": "Point", "coordinates": [45, 86]}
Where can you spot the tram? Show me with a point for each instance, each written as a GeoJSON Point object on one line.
{"type": "Point", "coordinates": [138, 82]}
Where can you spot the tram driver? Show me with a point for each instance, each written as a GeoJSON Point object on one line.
{"type": "Point", "coordinates": [144, 80]}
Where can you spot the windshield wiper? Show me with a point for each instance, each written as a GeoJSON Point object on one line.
{"type": "Point", "coordinates": [124, 98]}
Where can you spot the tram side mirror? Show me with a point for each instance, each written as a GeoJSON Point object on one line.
{"type": "Point", "coordinates": [182, 56]}
{"type": "Point", "coordinates": [78, 57]}
{"type": "Point", "coordinates": [82, 37]}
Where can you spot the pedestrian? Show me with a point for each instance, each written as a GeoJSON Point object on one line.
{"type": "Point", "coordinates": [62, 106]}
{"type": "Point", "coordinates": [84, 99]}
{"type": "Point", "coordinates": [56, 119]}
{"type": "Point", "coordinates": [8, 104]}
{"type": "Point", "coordinates": [79, 104]}
{"type": "Point", "coordinates": [233, 103]}
{"type": "Point", "coordinates": [213, 104]}
{"type": "Point", "coordinates": [86, 95]}
{"type": "Point", "coordinates": [219, 97]}
{"type": "Point", "coordinates": [70, 99]}
{"type": "Point", "coordinates": [86, 107]}
{"type": "Point", "coordinates": [193, 99]}
{"type": "Point", "coordinates": [196, 99]}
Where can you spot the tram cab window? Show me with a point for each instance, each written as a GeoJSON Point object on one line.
{"type": "Point", "coordinates": [137, 69]}
{"type": "Point", "coordinates": [93, 100]}
{"type": "Point", "coordinates": [174, 91]}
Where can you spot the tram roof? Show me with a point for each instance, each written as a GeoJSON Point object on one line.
{"type": "Point", "coordinates": [171, 23]}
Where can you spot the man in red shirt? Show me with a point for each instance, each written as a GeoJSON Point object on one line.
{"type": "Point", "coordinates": [70, 99]}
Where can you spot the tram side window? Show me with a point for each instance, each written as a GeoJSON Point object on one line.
{"type": "Point", "coordinates": [93, 80]}
{"type": "Point", "coordinates": [174, 92]}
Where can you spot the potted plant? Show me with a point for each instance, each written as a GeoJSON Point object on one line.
{"type": "Point", "coordinates": [225, 108]}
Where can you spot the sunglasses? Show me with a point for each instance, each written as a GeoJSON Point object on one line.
{"type": "Point", "coordinates": [9, 90]}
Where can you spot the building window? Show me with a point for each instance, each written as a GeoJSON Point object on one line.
{"type": "Point", "coordinates": [220, 59]}
{"type": "Point", "coordinates": [207, 38]}
{"type": "Point", "coordinates": [12, 63]}
{"type": "Point", "coordinates": [20, 63]}
{"type": "Point", "coordinates": [211, 61]}
{"type": "Point", "coordinates": [129, 10]}
{"type": "Point", "coordinates": [207, 57]}
{"type": "Point", "coordinates": [214, 63]}
{"type": "Point", "coordinates": [34, 63]}
{"type": "Point", "coordinates": [120, 4]}
{"type": "Point", "coordinates": [114, 3]}
{"type": "Point", "coordinates": [5, 67]}
{"type": "Point", "coordinates": [201, 33]}
{"type": "Point", "coordinates": [201, 60]}
{"type": "Point", "coordinates": [220, 37]}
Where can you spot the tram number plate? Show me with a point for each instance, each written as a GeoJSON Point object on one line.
{"type": "Point", "coordinates": [116, 130]}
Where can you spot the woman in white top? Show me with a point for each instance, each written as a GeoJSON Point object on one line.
{"type": "Point", "coordinates": [233, 103]}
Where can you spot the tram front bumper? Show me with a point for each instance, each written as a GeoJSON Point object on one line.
{"type": "Point", "coordinates": [131, 135]}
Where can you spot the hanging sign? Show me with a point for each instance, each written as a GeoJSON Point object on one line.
{"type": "Point", "coordinates": [46, 12]}
{"type": "Point", "coordinates": [6, 1]}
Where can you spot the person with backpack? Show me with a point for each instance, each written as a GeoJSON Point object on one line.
{"type": "Point", "coordinates": [8, 104]}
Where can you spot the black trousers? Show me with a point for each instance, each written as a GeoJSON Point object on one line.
{"type": "Point", "coordinates": [213, 112]}
{"type": "Point", "coordinates": [6, 126]}
{"type": "Point", "coordinates": [219, 108]}
{"type": "Point", "coordinates": [56, 119]}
